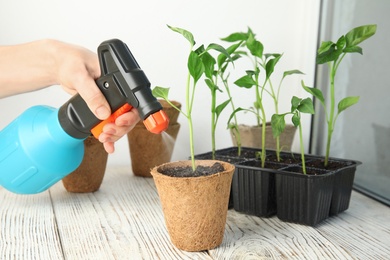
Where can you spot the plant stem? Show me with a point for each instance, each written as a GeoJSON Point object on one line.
{"type": "Point", "coordinates": [192, 143]}
{"type": "Point", "coordinates": [258, 101]}
{"type": "Point", "coordinates": [331, 113]}
{"type": "Point", "coordinates": [264, 122]}
{"type": "Point", "coordinates": [332, 118]}
{"type": "Point", "coordinates": [213, 123]}
{"type": "Point", "coordinates": [276, 105]}
{"type": "Point", "coordinates": [189, 118]}
{"type": "Point", "coordinates": [236, 133]}
{"type": "Point", "coordinates": [302, 149]}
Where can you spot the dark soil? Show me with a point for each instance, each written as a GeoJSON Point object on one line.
{"type": "Point", "coordinates": [233, 152]}
{"type": "Point", "coordinates": [219, 158]}
{"type": "Point", "coordinates": [267, 165]}
{"type": "Point", "coordinates": [332, 165]}
{"type": "Point", "coordinates": [188, 172]}
{"type": "Point", "coordinates": [309, 171]}
{"type": "Point", "coordinates": [287, 159]}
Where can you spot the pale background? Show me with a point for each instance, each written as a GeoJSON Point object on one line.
{"type": "Point", "coordinates": [283, 26]}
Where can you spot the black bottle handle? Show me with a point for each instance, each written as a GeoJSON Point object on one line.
{"type": "Point", "coordinates": [121, 81]}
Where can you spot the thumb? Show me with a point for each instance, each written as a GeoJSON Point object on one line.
{"type": "Point", "coordinates": [95, 100]}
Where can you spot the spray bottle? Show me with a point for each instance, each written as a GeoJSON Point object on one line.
{"type": "Point", "coordinates": [44, 144]}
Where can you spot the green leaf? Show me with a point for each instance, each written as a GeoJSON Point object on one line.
{"type": "Point", "coordinates": [221, 107]}
{"type": "Point", "coordinates": [278, 124]}
{"type": "Point", "coordinates": [222, 66]}
{"type": "Point", "coordinates": [353, 49]}
{"type": "Point", "coordinates": [160, 92]}
{"type": "Point", "coordinates": [195, 66]}
{"type": "Point", "coordinates": [255, 47]}
{"type": "Point", "coordinates": [232, 126]}
{"type": "Point", "coordinates": [267, 55]}
{"type": "Point", "coordinates": [359, 34]}
{"type": "Point", "coordinates": [306, 106]}
{"type": "Point", "coordinates": [245, 81]}
{"type": "Point", "coordinates": [295, 101]}
{"type": "Point", "coordinates": [346, 103]}
{"type": "Point", "coordinates": [325, 46]}
{"type": "Point", "coordinates": [219, 48]}
{"type": "Point", "coordinates": [211, 85]}
{"type": "Point", "coordinates": [315, 92]}
{"type": "Point", "coordinates": [269, 67]}
{"type": "Point", "coordinates": [251, 73]}
{"type": "Point", "coordinates": [200, 50]}
{"type": "Point", "coordinates": [231, 49]}
{"type": "Point", "coordinates": [296, 120]}
{"type": "Point", "coordinates": [209, 64]}
{"type": "Point", "coordinates": [234, 37]}
{"type": "Point", "coordinates": [328, 53]}
{"type": "Point", "coordinates": [235, 112]}
{"type": "Point", "coordinates": [188, 35]}
{"type": "Point", "coordinates": [340, 43]}
{"type": "Point", "coordinates": [291, 72]}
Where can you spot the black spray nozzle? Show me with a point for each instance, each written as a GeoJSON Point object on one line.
{"type": "Point", "coordinates": [122, 82]}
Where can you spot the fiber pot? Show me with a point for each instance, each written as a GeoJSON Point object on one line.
{"type": "Point", "coordinates": [195, 208]}
{"type": "Point", "coordinates": [147, 149]}
{"type": "Point", "coordinates": [89, 175]}
{"type": "Point", "coordinates": [251, 137]}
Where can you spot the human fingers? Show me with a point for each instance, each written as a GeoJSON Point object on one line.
{"type": "Point", "coordinates": [109, 147]}
{"type": "Point", "coordinates": [94, 98]}
{"type": "Point", "coordinates": [78, 68]}
{"type": "Point", "coordinates": [113, 133]}
{"type": "Point", "coordinates": [127, 119]}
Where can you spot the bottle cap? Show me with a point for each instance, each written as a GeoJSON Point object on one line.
{"type": "Point", "coordinates": [157, 123]}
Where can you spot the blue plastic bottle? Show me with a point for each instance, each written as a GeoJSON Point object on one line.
{"type": "Point", "coordinates": [35, 151]}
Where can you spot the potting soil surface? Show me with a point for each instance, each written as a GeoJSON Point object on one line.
{"type": "Point", "coordinates": [186, 171]}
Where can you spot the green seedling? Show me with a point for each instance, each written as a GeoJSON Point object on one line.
{"type": "Point", "coordinates": [223, 63]}
{"type": "Point", "coordinates": [298, 106]}
{"type": "Point", "coordinates": [332, 54]}
{"type": "Point", "coordinates": [213, 70]}
{"type": "Point", "coordinates": [267, 63]}
{"type": "Point", "coordinates": [197, 67]}
{"type": "Point", "coordinates": [251, 79]}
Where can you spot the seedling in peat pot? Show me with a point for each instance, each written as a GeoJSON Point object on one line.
{"type": "Point", "coordinates": [196, 69]}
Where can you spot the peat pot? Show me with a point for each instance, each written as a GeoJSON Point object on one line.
{"type": "Point", "coordinates": [147, 149]}
{"type": "Point", "coordinates": [251, 137]}
{"type": "Point", "coordinates": [195, 208]}
{"type": "Point", "coordinates": [89, 175]}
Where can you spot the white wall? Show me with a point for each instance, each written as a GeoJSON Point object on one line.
{"type": "Point", "coordinates": [283, 26]}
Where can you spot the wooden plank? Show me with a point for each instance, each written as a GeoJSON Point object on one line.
{"type": "Point", "coordinates": [123, 220]}
{"type": "Point", "coordinates": [363, 230]}
{"type": "Point", "coordinates": [357, 233]}
{"type": "Point", "coordinates": [28, 227]}
{"type": "Point", "coordinates": [269, 238]}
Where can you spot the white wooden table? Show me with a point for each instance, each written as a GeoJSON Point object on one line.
{"type": "Point", "coordinates": [124, 220]}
